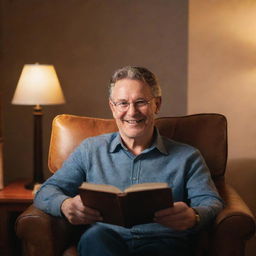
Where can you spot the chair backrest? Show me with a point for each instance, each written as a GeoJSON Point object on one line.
{"type": "Point", "coordinates": [206, 132]}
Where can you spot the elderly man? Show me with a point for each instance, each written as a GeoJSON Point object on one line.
{"type": "Point", "coordinates": [137, 153]}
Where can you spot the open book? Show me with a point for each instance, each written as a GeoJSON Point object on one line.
{"type": "Point", "coordinates": [135, 205]}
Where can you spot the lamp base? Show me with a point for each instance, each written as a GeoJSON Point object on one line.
{"type": "Point", "coordinates": [38, 154]}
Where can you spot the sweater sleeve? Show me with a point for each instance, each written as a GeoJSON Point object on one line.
{"type": "Point", "coordinates": [62, 184]}
{"type": "Point", "coordinates": [201, 191]}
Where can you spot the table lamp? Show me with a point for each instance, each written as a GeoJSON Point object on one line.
{"type": "Point", "coordinates": [38, 85]}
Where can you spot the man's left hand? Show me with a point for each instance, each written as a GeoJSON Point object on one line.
{"type": "Point", "coordinates": [179, 217]}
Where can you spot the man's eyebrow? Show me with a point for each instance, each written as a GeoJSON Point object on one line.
{"type": "Point", "coordinates": [140, 98]}
{"type": "Point", "coordinates": [120, 99]}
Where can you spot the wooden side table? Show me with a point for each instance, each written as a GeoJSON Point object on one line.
{"type": "Point", "coordinates": [14, 199]}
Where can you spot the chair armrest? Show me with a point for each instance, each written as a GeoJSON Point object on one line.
{"type": "Point", "coordinates": [43, 234]}
{"type": "Point", "coordinates": [235, 210]}
{"type": "Point", "coordinates": [233, 226]}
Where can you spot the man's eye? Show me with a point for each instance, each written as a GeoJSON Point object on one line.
{"type": "Point", "coordinates": [141, 102]}
{"type": "Point", "coordinates": [123, 104]}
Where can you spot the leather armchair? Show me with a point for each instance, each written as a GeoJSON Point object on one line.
{"type": "Point", "coordinates": [46, 235]}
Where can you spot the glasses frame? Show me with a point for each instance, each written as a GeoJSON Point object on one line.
{"type": "Point", "coordinates": [119, 108]}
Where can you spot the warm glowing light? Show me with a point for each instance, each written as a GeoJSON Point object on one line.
{"type": "Point", "coordinates": [38, 85]}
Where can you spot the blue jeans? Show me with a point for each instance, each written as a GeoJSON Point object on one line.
{"type": "Point", "coordinates": [102, 241]}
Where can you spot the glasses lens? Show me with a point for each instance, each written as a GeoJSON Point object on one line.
{"type": "Point", "coordinates": [141, 103]}
{"type": "Point", "coordinates": [124, 105]}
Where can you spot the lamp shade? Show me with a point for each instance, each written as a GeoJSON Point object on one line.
{"type": "Point", "coordinates": [38, 85]}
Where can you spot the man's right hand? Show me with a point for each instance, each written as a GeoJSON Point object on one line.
{"type": "Point", "coordinates": [77, 213]}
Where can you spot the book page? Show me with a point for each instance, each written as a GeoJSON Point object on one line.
{"type": "Point", "coordinates": [100, 187]}
{"type": "Point", "coordinates": [146, 186]}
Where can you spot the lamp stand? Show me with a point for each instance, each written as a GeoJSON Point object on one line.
{"type": "Point", "coordinates": [38, 152]}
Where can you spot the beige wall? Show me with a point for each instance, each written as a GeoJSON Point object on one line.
{"type": "Point", "coordinates": [222, 78]}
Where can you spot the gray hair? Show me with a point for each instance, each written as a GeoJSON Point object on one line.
{"type": "Point", "coordinates": [139, 74]}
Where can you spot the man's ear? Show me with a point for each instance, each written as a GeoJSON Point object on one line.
{"type": "Point", "coordinates": [158, 101]}
{"type": "Point", "coordinates": [112, 108]}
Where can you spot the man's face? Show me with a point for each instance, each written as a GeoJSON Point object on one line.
{"type": "Point", "coordinates": [137, 121]}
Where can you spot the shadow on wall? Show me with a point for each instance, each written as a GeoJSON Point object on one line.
{"type": "Point", "coordinates": [241, 174]}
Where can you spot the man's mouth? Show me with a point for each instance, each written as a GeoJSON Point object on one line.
{"type": "Point", "coordinates": [133, 121]}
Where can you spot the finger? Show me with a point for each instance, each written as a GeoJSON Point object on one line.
{"type": "Point", "coordinates": [92, 218]}
{"type": "Point", "coordinates": [177, 208]}
{"type": "Point", "coordinates": [88, 213]}
{"type": "Point", "coordinates": [91, 211]}
{"type": "Point", "coordinates": [170, 218]}
{"type": "Point", "coordinates": [167, 212]}
{"type": "Point", "coordinates": [77, 203]}
{"type": "Point", "coordinates": [164, 212]}
{"type": "Point", "coordinates": [173, 221]}
{"type": "Point", "coordinates": [79, 217]}
{"type": "Point", "coordinates": [85, 210]}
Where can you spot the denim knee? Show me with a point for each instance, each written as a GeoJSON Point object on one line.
{"type": "Point", "coordinates": [99, 240]}
{"type": "Point", "coordinates": [92, 233]}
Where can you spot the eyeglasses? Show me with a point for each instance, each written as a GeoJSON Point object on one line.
{"type": "Point", "coordinates": [123, 106]}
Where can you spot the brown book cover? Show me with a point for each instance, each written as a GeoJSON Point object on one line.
{"type": "Point", "coordinates": [135, 205]}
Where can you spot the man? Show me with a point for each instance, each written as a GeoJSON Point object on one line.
{"type": "Point", "coordinates": [135, 154]}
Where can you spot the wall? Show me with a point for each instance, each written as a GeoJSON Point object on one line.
{"type": "Point", "coordinates": [86, 41]}
{"type": "Point", "coordinates": [222, 78]}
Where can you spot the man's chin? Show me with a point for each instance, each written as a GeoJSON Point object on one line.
{"type": "Point", "coordinates": [134, 134]}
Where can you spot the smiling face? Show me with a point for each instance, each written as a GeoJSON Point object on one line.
{"type": "Point", "coordinates": [137, 122]}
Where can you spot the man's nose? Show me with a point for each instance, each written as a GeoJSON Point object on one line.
{"type": "Point", "coordinates": [132, 109]}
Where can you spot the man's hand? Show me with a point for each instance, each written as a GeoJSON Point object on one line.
{"type": "Point", "coordinates": [77, 213]}
{"type": "Point", "coordinates": [178, 217]}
